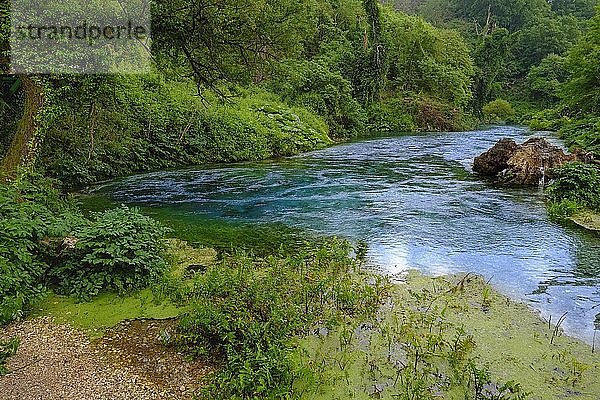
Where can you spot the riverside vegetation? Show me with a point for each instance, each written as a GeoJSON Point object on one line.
{"type": "Point", "coordinates": [290, 317]}
{"type": "Point", "coordinates": [304, 321]}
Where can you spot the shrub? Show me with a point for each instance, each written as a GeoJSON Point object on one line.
{"type": "Point", "coordinates": [584, 133]}
{"type": "Point", "coordinates": [498, 110]}
{"type": "Point", "coordinates": [548, 120]}
{"type": "Point", "coordinates": [577, 185]}
{"type": "Point", "coordinates": [246, 313]}
{"type": "Point", "coordinates": [315, 86]}
{"type": "Point", "coordinates": [120, 250]}
{"type": "Point", "coordinates": [563, 209]}
{"type": "Point", "coordinates": [28, 209]}
{"type": "Point", "coordinates": [137, 123]}
{"type": "Point", "coordinates": [392, 115]}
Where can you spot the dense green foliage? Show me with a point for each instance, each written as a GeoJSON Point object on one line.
{"type": "Point", "coordinates": [8, 349]}
{"type": "Point", "coordinates": [544, 80]}
{"type": "Point", "coordinates": [498, 110]}
{"type": "Point", "coordinates": [118, 250]}
{"type": "Point", "coordinates": [250, 80]}
{"type": "Point", "coordinates": [246, 313]}
{"type": "Point", "coordinates": [577, 186]}
{"type": "Point", "coordinates": [28, 213]}
{"type": "Point", "coordinates": [135, 123]}
{"type": "Point", "coordinates": [514, 45]}
{"type": "Point", "coordinates": [580, 94]}
{"type": "Point", "coordinates": [582, 91]}
{"type": "Point", "coordinates": [258, 80]}
{"type": "Point", "coordinates": [311, 84]}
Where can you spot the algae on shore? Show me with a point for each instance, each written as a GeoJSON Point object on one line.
{"type": "Point", "coordinates": [436, 336]}
{"type": "Point", "coordinates": [109, 309]}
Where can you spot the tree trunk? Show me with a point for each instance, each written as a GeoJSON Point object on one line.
{"type": "Point", "coordinates": [23, 146]}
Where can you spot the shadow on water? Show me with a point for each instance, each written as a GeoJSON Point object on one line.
{"type": "Point", "coordinates": [412, 198]}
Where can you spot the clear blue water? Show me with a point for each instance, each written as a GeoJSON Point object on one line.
{"type": "Point", "coordinates": [415, 201]}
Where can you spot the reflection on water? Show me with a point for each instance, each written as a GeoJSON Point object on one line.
{"type": "Point", "coordinates": [415, 201]}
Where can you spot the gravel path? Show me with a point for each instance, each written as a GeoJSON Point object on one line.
{"type": "Point", "coordinates": [129, 362]}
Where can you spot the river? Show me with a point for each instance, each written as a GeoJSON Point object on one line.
{"type": "Point", "coordinates": [415, 201]}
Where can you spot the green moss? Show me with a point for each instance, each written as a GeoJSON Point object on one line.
{"type": "Point", "coordinates": [105, 311]}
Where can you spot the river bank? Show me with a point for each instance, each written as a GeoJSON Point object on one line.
{"type": "Point", "coordinates": [413, 199]}
{"type": "Point", "coordinates": [431, 336]}
{"type": "Point", "coordinates": [511, 339]}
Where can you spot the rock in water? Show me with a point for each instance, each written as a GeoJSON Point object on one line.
{"type": "Point", "coordinates": [530, 163]}
{"type": "Point", "coordinates": [533, 162]}
{"type": "Point", "coordinates": [495, 160]}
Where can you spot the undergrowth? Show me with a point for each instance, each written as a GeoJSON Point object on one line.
{"type": "Point", "coordinates": [45, 242]}
{"type": "Point", "coordinates": [247, 312]}
{"type": "Point", "coordinates": [314, 324]}
{"type": "Point", "coordinates": [576, 187]}
{"type": "Point", "coordinates": [8, 348]}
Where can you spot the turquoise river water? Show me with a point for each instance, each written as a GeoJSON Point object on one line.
{"type": "Point", "coordinates": [414, 200]}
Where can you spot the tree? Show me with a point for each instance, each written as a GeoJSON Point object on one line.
{"type": "Point", "coordinates": [510, 14]}
{"type": "Point", "coordinates": [583, 9]}
{"type": "Point", "coordinates": [490, 57]}
{"type": "Point", "coordinates": [545, 79]}
{"type": "Point", "coordinates": [229, 41]}
{"type": "Point", "coordinates": [426, 59]}
{"type": "Point", "coordinates": [582, 91]}
{"type": "Point", "coordinates": [373, 61]}
{"type": "Point", "coordinates": [540, 38]}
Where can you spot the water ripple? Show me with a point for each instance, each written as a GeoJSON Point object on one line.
{"type": "Point", "coordinates": [415, 201]}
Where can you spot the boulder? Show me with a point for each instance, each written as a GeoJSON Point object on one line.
{"type": "Point", "coordinates": [530, 163]}
{"type": "Point", "coordinates": [533, 162]}
{"type": "Point", "coordinates": [495, 160]}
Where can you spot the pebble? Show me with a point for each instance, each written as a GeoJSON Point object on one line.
{"type": "Point", "coordinates": [58, 362]}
